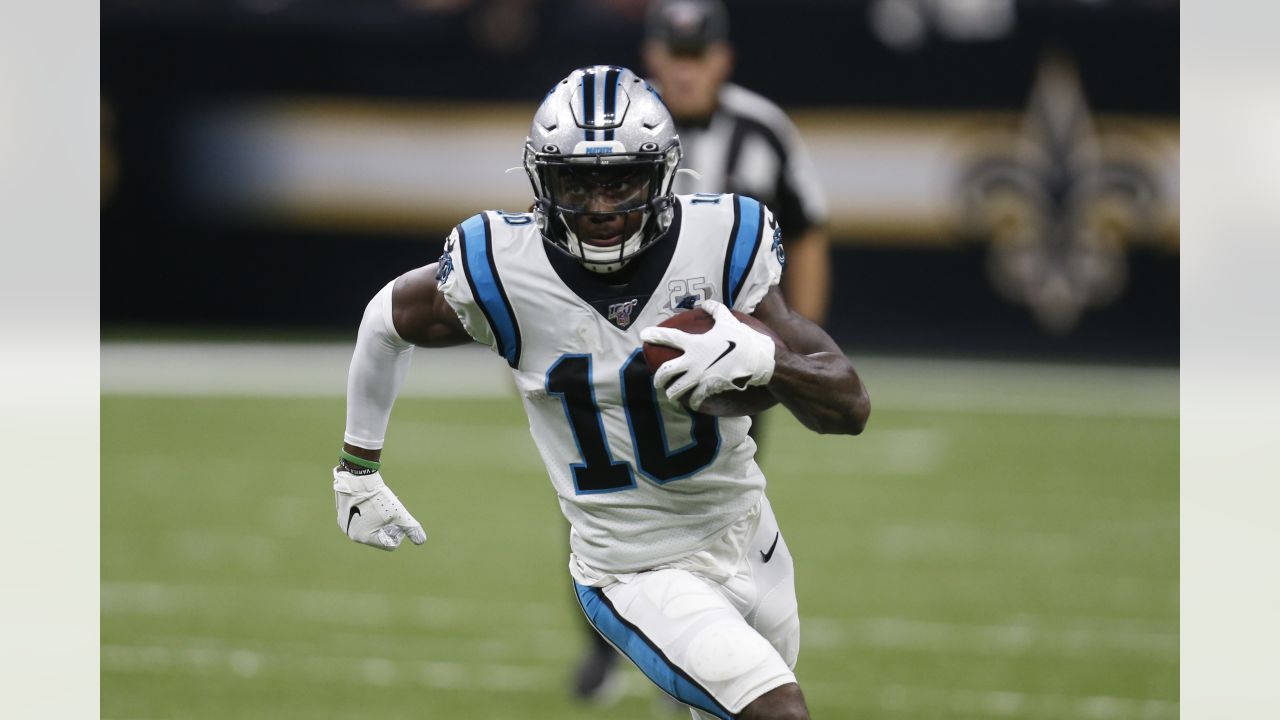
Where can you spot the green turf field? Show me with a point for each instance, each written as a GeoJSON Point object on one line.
{"type": "Point", "coordinates": [951, 564]}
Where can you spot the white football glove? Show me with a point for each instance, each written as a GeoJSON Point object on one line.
{"type": "Point", "coordinates": [729, 356]}
{"type": "Point", "coordinates": [369, 513]}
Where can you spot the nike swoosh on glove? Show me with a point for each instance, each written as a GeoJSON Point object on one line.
{"type": "Point", "coordinates": [370, 514]}
{"type": "Point", "coordinates": [729, 356]}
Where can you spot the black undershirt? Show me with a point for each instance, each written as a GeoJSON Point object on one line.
{"type": "Point", "coordinates": [637, 280]}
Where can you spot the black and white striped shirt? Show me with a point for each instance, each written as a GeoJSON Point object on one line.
{"type": "Point", "coordinates": [751, 147]}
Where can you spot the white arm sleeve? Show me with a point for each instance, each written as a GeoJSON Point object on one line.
{"type": "Point", "coordinates": [378, 367]}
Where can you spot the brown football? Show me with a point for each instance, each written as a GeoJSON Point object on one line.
{"type": "Point", "coordinates": [731, 403]}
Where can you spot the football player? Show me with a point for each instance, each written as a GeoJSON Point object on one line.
{"type": "Point", "coordinates": [740, 142]}
{"type": "Point", "coordinates": [675, 554]}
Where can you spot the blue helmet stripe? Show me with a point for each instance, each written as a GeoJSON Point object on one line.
{"type": "Point", "coordinates": [486, 286]}
{"type": "Point", "coordinates": [646, 656]}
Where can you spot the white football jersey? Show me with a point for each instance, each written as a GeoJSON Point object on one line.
{"type": "Point", "coordinates": [641, 480]}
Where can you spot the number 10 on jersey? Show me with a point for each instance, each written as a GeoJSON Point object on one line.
{"type": "Point", "coordinates": [570, 379]}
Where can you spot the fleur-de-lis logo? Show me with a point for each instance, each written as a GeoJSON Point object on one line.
{"type": "Point", "coordinates": [1057, 203]}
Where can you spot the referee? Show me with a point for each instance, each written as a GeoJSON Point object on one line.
{"type": "Point", "coordinates": [738, 142]}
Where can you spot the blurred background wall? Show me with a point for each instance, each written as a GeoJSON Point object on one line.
{"type": "Point", "coordinates": [1003, 175]}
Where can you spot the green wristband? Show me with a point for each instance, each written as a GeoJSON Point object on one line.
{"type": "Point", "coordinates": [368, 464]}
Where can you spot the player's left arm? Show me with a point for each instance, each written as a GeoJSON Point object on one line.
{"type": "Point", "coordinates": [812, 377]}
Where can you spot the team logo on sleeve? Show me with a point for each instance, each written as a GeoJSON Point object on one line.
{"type": "Point", "coordinates": [620, 313]}
{"type": "Point", "coordinates": [777, 242]}
{"type": "Point", "coordinates": [445, 267]}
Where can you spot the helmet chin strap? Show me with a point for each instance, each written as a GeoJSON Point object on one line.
{"type": "Point", "coordinates": [604, 259]}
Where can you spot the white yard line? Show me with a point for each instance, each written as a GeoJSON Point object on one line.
{"type": "Point", "coordinates": [1025, 635]}
{"type": "Point", "coordinates": [927, 385]}
{"type": "Point", "coordinates": [1026, 638]}
{"type": "Point", "coordinates": [966, 542]}
{"type": "Point", "coordinates": [203, 661]}
{"type": "Point", "coordinates": [312, 605]}
{"type": "Point", "coordinates": [376, 671]}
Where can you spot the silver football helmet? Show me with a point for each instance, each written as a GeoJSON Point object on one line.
{"type": "Point", "coordinates": [602, 154]}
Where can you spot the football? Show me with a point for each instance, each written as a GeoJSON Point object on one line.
{"type": "Point", "coordinates": [731, 403]}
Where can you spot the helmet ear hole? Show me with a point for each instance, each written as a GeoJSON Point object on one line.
{"type": "Point", "coordinates": [550, 149]}
{"type": "Point", "coordinates": [649, 147]}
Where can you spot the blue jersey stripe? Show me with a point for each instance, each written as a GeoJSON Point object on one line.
{"type": "Point", "coordinates": [486, 287]}
{"type": "Point", "coordinates": [646, 656]}
{"type": "Point", "coordinates": [742, 250]}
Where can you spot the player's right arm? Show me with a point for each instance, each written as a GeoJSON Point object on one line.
{"type": "Point", "coordinates": [407, 312]}
{"type": "Point", "coordinates": [411, 311]}
{"type": "Point", "coordinates": [420, 313]}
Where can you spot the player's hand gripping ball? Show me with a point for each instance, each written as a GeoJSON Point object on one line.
{"type": "Point", "coordinates": [742, 394]}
